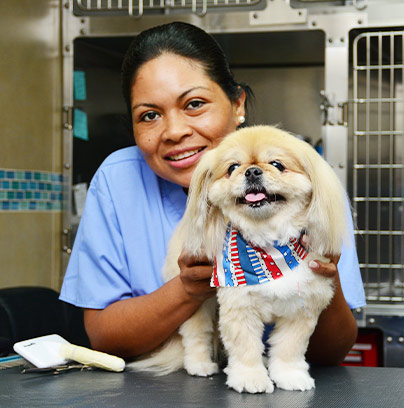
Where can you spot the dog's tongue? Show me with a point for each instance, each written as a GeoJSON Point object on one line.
{"type": "Point", "coordinates": [252, 198]}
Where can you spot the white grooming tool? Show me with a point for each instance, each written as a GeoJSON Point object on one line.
{"type": "Point", "coordinates": [54, 350]}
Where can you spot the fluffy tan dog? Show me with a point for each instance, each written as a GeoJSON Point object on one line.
{"type": "Point", "coordinates": [261, 188]}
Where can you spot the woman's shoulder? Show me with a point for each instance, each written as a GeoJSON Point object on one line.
{"type": "Point", "coordinates": [124, 176]}
{"type": "Point", "coordinates": [124, 167]}
{"type": "Point", "coordinates": [126, 155]}
{"type": "Point", "coordinates": [123, 163]}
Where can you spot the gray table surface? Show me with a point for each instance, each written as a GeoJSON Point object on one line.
{"type": "Point", "coordinates": [346, 387]}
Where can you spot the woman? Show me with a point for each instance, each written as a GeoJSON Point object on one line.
{"type": "Point", "coordinates": [182, 99]}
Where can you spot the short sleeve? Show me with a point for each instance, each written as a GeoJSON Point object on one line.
{"type": "Point", "coordinates": [350, 275]}
{"type": "Point", "coordinates": [97, 273]}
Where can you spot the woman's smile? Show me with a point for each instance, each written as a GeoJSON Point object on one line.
{"type": "Point", "coordinates": [185, 158]}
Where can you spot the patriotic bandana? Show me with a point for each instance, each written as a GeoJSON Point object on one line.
{"type": "Point", "coordinates": [242, 264]}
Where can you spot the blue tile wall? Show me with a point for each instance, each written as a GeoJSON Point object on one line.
{"type": "Point", "coordinates": [30, 190]}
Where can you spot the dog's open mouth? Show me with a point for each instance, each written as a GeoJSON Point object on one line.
{"type": "Point", "coordinates": [258, 198]}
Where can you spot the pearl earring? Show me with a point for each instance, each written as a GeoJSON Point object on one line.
{"type": "Point", "coordinates": [241, 119]}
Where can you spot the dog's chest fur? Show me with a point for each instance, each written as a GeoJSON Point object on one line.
{"type": "Point", "coordinates": [300, 292]}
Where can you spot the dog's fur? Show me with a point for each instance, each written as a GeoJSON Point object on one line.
{"type": "Point", "coordinates": [314, 202]}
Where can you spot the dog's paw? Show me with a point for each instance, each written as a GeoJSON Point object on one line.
{"type": "Point", "coordinates": [201, 368]}
{"type": "Point", "coordinates": [291, 377]}
{"type": "Point", "coordinates": [249, 379]}
{"type": "Point", "coordinates": [294, 380]}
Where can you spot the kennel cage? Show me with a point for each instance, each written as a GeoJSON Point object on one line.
{"type": "Point", "coordinates": [330, 71]}
{"type": "Point", "coordinates": [377, 177]}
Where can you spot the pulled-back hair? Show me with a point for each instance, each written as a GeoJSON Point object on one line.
{"type": "Point", "coordinates": [185, 40]}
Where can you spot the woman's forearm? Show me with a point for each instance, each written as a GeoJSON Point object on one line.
{"type": "Point", "coordinates": [335, 333]}
{"type": "Point", "coordinates": [138, 325]}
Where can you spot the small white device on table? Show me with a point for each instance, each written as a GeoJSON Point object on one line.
{"type": "Point", "coordinates": [53, 350]}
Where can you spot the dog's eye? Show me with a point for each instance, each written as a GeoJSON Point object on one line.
{"type": "Point", "coordinates": [278, 165]}
{"type": "Point", "coordinates": [232, 168]}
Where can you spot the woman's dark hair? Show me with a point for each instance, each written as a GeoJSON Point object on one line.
{"type": "Point", "coordinates": [187, 41]}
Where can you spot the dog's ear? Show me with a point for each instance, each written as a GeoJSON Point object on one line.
{"type": "Point", "coordinates": [203, 223]}
{"type": "Point", "coordinates": [328, 212]}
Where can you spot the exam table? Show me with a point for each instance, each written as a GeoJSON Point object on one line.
{"type": "Point", "coordinates": [336, 387]}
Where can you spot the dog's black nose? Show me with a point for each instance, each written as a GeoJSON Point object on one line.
{"type": "Point", "coordinates": [253, 173]}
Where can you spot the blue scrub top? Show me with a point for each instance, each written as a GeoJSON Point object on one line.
{"type": "Point", "coordinates": [129, 217]}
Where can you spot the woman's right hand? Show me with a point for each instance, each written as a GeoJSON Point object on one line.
{"type": "Point", "coordinates": [195, 275]}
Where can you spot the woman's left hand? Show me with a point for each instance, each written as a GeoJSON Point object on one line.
{"type": "Point", "coordinates": [329, 270]}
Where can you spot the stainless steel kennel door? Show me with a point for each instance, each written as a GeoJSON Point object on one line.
{"type": "Point", "coordinates": [378, 171]}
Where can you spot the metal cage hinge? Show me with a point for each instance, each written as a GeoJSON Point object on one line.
{"type": "Point", "coordinates": [67, 117]}
{"type": "Point", "coordinates": [66, 240]}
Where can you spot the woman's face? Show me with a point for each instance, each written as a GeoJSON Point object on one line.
{"type": "Point", "coordinates": [178, 114]}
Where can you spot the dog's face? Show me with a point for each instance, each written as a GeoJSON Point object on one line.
{"type": "Point", "coordinates": [269, 185]}
{"type": "Point", "coordinates": [254, 177]}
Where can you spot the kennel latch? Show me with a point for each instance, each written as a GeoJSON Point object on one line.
{"type": "Point", "coordinates": [334, 113]}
